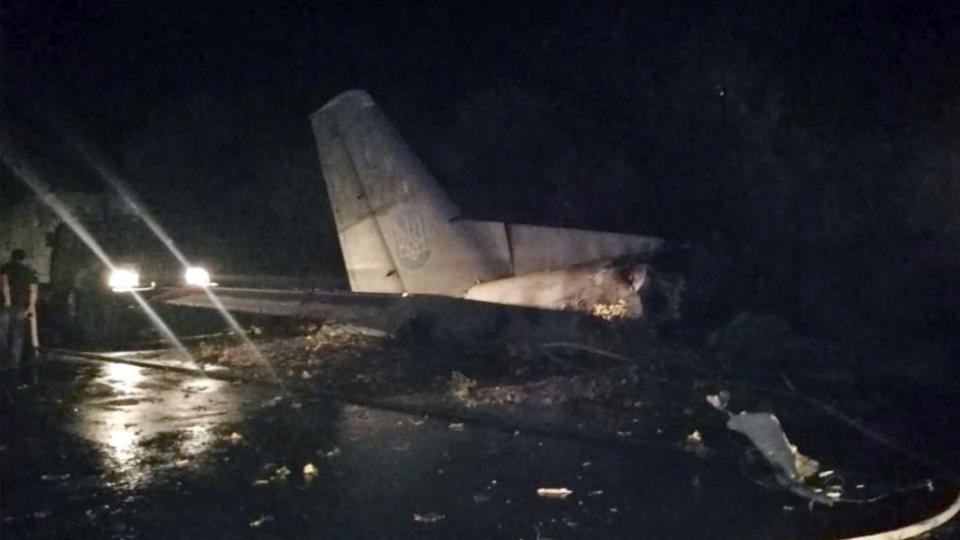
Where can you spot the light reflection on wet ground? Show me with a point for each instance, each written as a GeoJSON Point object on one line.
{"type": "Point", "coordinates": [117, 451]}
{"type": "Point", "coordinates": [126, 407]}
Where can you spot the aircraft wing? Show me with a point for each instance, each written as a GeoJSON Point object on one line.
{"type": "Point", "coordinates": [348, 307]}
{"type": "Point", "coordinates": [422, 315]}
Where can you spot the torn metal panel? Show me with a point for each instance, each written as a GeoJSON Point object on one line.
{"type": "Point", "coordinates": [575, 289]}
{"type": "Point", "coordinates": [765, 432]}
{"type": "Point", "coordinates": [539, 248]}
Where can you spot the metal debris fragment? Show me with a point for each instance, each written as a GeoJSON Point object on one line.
{"type": "Point", "coordinates": [429, 517]}
{"type": "Point", "coordinates": [554, 493]}
{"type": "Point", "coordinates": [456, 426]}
{"type": "Point", "coordinates": [260, 521]}
{"type": "Point", "coordinates": [720, 400]}
{"type": "Point", "coordinates": [764, 431]}
{"type": "Point", "coordinates": [694, 443]}
{"type": "Point", "coordinates": [281, 474]}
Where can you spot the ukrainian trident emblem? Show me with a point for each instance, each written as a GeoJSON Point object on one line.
{"type": "Point", "coordinates": [410, 239]}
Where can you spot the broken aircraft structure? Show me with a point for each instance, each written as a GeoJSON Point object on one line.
{"type": "Point", "coordinates": [401, 236]}
{"type": "Point", "coordinates": [400, 233]}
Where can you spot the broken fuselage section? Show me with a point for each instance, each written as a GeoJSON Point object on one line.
{"type": "Point", "coordinates": [400, 233]}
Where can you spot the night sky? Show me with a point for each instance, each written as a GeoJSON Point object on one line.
{"type": "Point", "coordinates": [806, 124]}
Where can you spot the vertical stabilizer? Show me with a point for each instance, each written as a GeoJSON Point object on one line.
{"type": "Point", "coordinates": [369, 265]}
{"type": "Point", "coordinates": [384, 196]}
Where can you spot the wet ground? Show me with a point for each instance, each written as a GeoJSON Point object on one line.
{"type": "Point", "coordinates": [111, 450]}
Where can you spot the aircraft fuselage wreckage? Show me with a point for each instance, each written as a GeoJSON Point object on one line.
{"type": "Point", "coordinates": [403, 238]}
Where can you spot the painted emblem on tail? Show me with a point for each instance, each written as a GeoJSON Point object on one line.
{"type": "Point", "coordinates": [410, 239]}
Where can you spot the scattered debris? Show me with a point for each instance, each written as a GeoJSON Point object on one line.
{"type": "Point", "coordinates": [278, 475]}
{"type": "Point", "coordinates": [611, 312]}
{"type": "Point", "coordinates": [55, 477]}
{"type": "Point", "coordinates": [310, 472]}
{"type": "Point", "coordinates": [604, 386]}
{"type": "Point", "coordinates": [272, 402]}
{"type": "Point", "coordinates": [456, 426]}
{"type": "Point", "coordinates": [595, 493]}
{"type": "Point", "coordinates": [430, 517]}
{"type": "Point", "coordinates": [720, 400]}
{"type": "Point", "coordinates": [480, 498]}
{"type": "Point", "coordinates": [260, 521]}
{"type": "Point", "coordinates": [42, 514]}
{"type": "Point", "coordinates": [332, 453]}
{"type": "Point", "coordinates": [345, 331]}
{"type": "Point", "coordinates": [554, 493]}
{"type": "Point", "coordinates": [694, 444]}
{"type": "Point", "coordinates": [235, 438]}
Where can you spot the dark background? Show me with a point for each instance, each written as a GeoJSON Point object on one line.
{"type": "Point", "coordinates": [817, 143]}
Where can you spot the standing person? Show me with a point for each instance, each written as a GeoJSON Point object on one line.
{"type": "Point", "coordinates": [19, 290]}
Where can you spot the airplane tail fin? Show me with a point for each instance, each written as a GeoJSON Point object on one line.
{"type": "Point", "coordinates": [398, 230]}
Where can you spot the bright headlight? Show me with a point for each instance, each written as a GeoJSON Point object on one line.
{"type": "Point", "coordinates": [123, 279]}
{"type": "Point", "coordinates": [197, 277]}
